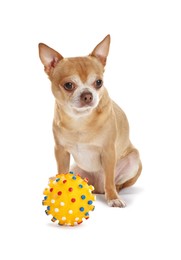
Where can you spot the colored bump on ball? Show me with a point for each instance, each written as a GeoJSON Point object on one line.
{"type": "Point", "coordinates": [68, 199]}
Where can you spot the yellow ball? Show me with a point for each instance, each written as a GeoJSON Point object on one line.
{"type": "Point", "coordinates": [68, 199]}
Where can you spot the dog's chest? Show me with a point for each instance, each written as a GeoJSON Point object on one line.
{"type": "Point", "coordinates": [85, 153]}
{"type": "Point", "coordinates": [86, 156]}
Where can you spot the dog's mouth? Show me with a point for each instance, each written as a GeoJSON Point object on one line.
{"type": "Point", "coordinates": [84, 103]}
{"type": "Point", "coordinates": [83, 106]}
{"type": "Point", "coordinates": [82, 109]}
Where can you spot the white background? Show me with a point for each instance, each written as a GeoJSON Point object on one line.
{"type": "Point", "coordinates": [142, 76]}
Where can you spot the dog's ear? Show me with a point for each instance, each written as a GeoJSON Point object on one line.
{"type": "Point", "coordinates": [102, 49]}
{"type": "Point", "coordinates": [49, 57]}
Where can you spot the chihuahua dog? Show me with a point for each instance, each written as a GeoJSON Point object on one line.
{"type": "Point", "coordinates": [88, 125]}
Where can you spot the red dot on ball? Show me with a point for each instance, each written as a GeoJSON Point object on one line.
{"type": "Point", "coordinates": [51, 189]}
{"type": "Point", "coordinates": [64, 181]}
{"type": "Point", "coordinates": [73, 199]}
{"type": "Point", "coordinates": [70, 189]}
{"type": "Point", "coordinates": [59, 193]}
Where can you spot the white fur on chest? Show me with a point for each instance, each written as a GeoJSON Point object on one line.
{"type": "Point", "coordinates": [86, 156]}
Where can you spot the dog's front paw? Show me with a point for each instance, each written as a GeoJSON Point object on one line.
{"type": "Point", "coordinates": [117, 203]}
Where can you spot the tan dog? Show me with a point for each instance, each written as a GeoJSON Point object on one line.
{"type": "Point", "coordinates": [88, 124]}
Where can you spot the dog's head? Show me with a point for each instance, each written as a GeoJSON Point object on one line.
{"type": "Point", "coordinates": [77, 83]}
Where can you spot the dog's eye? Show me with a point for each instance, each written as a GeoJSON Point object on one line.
{"type": "Point", "coordinates": [98, 83]}
{"type": "Point", "coordinates": [68, 86]}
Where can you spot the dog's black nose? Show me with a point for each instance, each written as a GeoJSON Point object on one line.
{"type": "Point", "coordinates": [86, 97]}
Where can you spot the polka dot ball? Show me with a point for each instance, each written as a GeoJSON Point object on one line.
{"type": "Point", "coordinates": [68, 199]}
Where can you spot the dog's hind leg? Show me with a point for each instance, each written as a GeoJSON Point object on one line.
{"type": "Point", "coordinates": [128, 170]}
